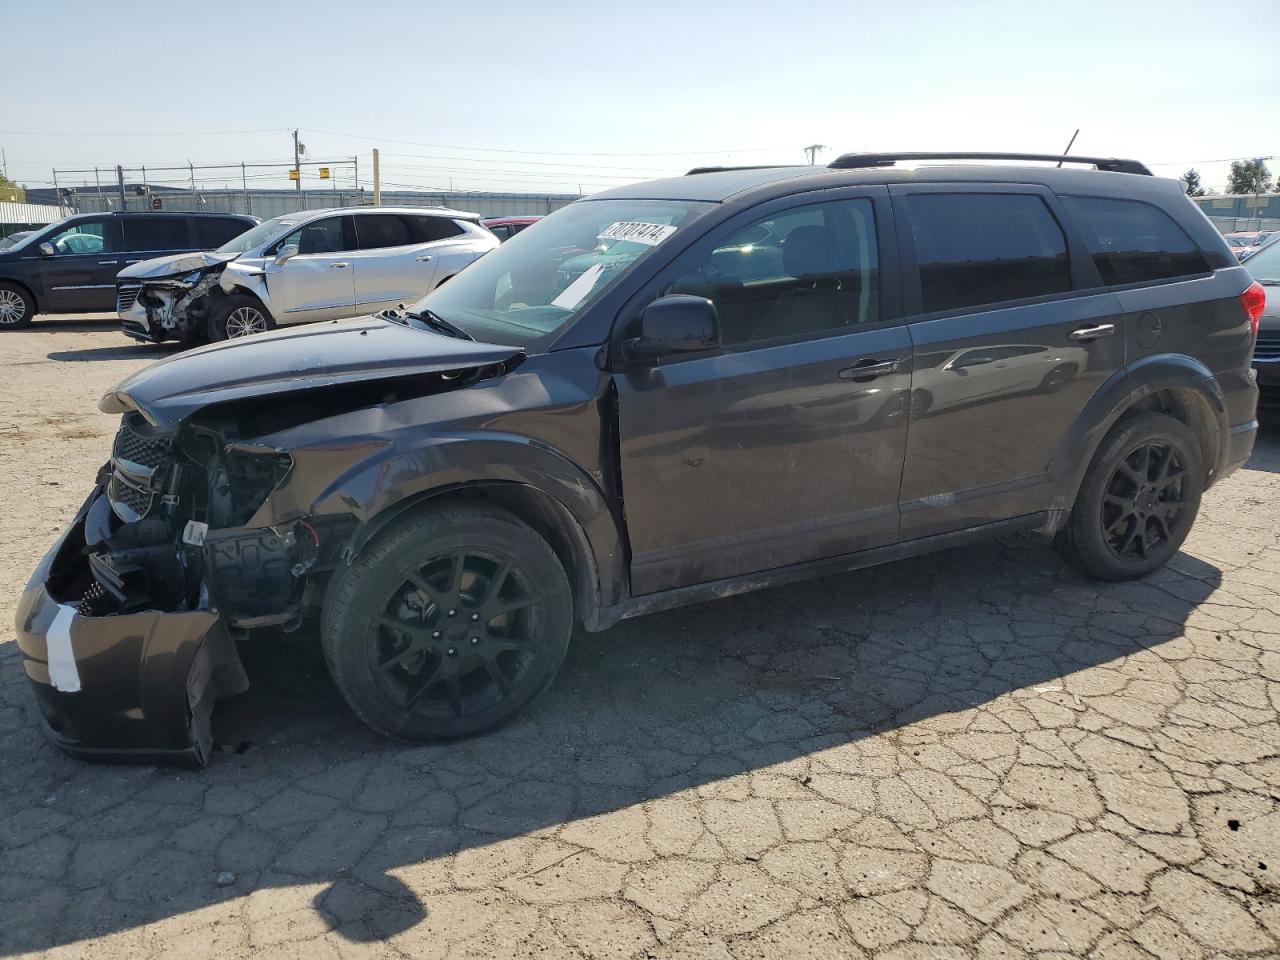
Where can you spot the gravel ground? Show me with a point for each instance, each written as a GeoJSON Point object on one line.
{"type": "Point", "coordinates": [974, 754]}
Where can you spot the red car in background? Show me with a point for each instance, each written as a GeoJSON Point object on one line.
{"type": "Point", "coordinates": [504, 228]}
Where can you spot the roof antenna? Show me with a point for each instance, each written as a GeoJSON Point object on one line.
{"type": "Point", "coordinates": [1069, 143]}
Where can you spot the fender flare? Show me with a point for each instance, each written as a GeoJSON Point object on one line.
{"type": "Point", "coordinates": [1128, 386]}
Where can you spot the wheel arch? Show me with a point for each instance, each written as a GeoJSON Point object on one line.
{"type": "Point", "coordinates": [26, 288]}
{"type": "Point", "coordinates": [542, 512]}
{"type": "Point", "coordinates": [1174, 384]}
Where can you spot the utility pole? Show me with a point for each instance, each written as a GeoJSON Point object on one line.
{"type": "Point", "coordinates": [812, 151]}
{"type": "Point", "coordinates": [195, 197]}
{"type": "Point", "coordinates": [119, 183]}
{"type": "Point", "coordinates": [298, 150]}
{"type": "Point", "coordinates": [377, 179]}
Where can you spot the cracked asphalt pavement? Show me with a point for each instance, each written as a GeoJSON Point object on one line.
{"type": "Point", "coordinates": [973, 754]}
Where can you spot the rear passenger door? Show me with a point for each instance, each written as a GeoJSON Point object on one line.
{"type": "Point", "coordinates": [397, 260]}
{"type": "Point", "coordinates": [1012, 334]}
{"type": "Point", "coordinates": [150, 235]}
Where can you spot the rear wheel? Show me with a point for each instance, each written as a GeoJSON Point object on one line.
{"type": "Point", "coordinates": [449, 624]}
{"type": "Point", "coordinates": [238, 315]}
{"type": "Point", "coordinates": [1138, 500]}
{"type": "Point", "coordinates": [16, 307]}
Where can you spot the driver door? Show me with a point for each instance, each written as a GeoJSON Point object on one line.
{"type": "Point", "coordinates": [774, 449]}
{"type": "Point", "coordinates": [319, 282]}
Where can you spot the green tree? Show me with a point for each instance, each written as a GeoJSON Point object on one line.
{"type": "Point", "coordinates": [1191, 179]}
{"type": "Point", "coordinates": [10, 192]}
{"type": "Point", "coordinates": [1248, 176]}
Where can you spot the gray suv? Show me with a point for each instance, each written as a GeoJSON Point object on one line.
{"type": "Point", "coordinates": [669, 392]}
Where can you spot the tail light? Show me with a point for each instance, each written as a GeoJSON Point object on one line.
{"type": "Point", "coordinates": [1254, 300]}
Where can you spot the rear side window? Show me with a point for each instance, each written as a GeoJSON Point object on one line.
{"type": "Point", "coordinates": [1134, 242]}
{"type": "Point", "coordinates": [430, 229]}
{"type": "Point", "coordinates": [377, 230]}
{"type": "Point", "coordinates": [980, 248]}
{"type": "Point", "coordinates": [215, 231]}
{"type": "Point", "coordinates": [149, 232]}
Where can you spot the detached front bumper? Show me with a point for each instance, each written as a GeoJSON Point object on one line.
{"type": "Point", "coordinates": [137, 686]}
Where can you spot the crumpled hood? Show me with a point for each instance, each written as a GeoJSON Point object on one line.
{"type": "Point", "coordinates": [177, 265]}
{"type": "Point", "coordinates": [298, 358]}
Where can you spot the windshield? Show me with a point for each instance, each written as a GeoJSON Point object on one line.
{"type": "Point", "coordinates": [267, 230]}
{"type": "Point", "coordinates": [545, 276]}
{"type": "Point", "coordinates": [14, 239]}
{"type": "Point", "coordinates": [1265, 264]}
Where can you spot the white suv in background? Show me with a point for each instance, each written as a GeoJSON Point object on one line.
{"type": "Point", "coordinates": [300, 268]}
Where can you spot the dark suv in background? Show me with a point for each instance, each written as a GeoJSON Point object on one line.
{"type": "Point", "coordinates": [71, 266]}
{"type": "Point", "coordinates": [737, 378]}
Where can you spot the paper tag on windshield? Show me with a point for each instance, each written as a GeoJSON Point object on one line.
{"type": "Point", "coordinates": [194, 533]}
{"type": "Point", "coordinates": [576, 292]}
{"type": "Point", "coordinates": [650, 234]}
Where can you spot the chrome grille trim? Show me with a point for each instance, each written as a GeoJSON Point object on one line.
{"type": "Point", "coordinates": [126, 296]}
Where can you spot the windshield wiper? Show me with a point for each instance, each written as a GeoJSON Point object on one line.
{"type": "Point", "coordinates": [439, 324]}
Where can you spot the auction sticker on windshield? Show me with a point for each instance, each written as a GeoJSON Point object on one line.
{"type": "Point", "coordinates": [637, 231]}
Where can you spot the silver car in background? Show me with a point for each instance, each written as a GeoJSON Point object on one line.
{"type": "Point", "coordinates": [300, 268]}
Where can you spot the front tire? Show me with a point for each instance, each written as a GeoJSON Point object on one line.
{"type": "Point", "coordinates": [239, 315]}
{"type": "Point", "coordinates": [451, 622]}
{"type": "Point", "coordinates": [16, 307]}
{"type": "Point", "coordinates": [1138, 499]}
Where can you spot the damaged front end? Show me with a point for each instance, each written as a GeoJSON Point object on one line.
{"type": "Point", "coordinates": [169, 298]}
{"type": "Point", "coordinates": [126, 629]}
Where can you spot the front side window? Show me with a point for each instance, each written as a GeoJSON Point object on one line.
{"type": "Point", "coordinates": [319, 236]}
{"type": "Point", "coordinates": [975, 249]}
{"type": "Point", "coordinates": [147, 233]}
{"type": "Point", "coordinates": [256, 236]}
{"type": "Point", "coordinates": [87, 236]}
{"type": "Point", "coordinates": [802, 272]}
{"type": "Point", "coordinates": [532, 287]}
{"type": "Point", "coordinates": [1134, 242]}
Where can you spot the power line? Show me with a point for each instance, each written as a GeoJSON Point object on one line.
{"type": "Point", "coordinates": [542, 153]}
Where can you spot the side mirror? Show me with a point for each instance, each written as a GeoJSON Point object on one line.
{"type": "Point", "coordinates": [286, 253]}
{"type": "Point", "coordinates": [677, 323]}
{"type": "Point", "coordinates": [46, 250]}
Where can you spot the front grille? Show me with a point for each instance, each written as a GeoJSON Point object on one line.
{"type": "Point", "coordinates": [137, 446]}
{"type": "Point", "coordinates": [136, 474]}
{"type": "Point", "coordinates": [126, 295]}
{"type": "Point", "coordinates": [1267, 347]}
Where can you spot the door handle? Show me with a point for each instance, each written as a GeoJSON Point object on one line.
{"type": "Point", "coordinates": [424, 258]}
{"type": "Point", "coordinates": [1086, 334]}
{"type": "Point", "coordinates": [869, 369]}
{"type": "Point", "coordinates": [107, 263]}
{"type": "Point", "coordinates": [340, 265]}
{"type": "Point", "coordinates": [133, 261]}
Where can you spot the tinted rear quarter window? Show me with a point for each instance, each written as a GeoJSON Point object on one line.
{"type": "Point", "coordinates": [1134, 242]}
{"type": "Point", "coordinates": [984, 248]}
{"type": "Point", "coordinates": [430, 229]}
{"type": "Point", "coordinates": [213, 232]}
{"type": "Point", "coordinates": [149, 232]}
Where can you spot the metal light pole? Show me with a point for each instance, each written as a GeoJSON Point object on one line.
{"type": "Point", "coordinates": [812, 151]}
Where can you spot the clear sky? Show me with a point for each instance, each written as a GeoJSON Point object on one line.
{"type": "Point", "coordinates": [567, 95]}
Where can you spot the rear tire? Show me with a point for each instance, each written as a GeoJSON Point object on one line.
{"type": "Point", "coordinates": [451, 622]}
{"type": "Point", "coordinates": [16, 307]}
{"type": "Point", "coordinates": [1138, 499]}
{"type": "Point", "coordinates": [239, 315]}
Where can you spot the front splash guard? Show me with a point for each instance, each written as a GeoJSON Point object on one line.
{"type": "Point", "coordinates": [139, 686]}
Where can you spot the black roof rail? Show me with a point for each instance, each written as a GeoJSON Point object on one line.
{"type": "Point", "coordinates": [758, 166]}
{"type": "Point", "coordinates": [853, 161]}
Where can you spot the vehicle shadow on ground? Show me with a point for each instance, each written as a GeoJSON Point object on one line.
{"type": "Point", "coordinates": [137, 351]}
{"type": "Point", "coordinates": [647, 711]}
